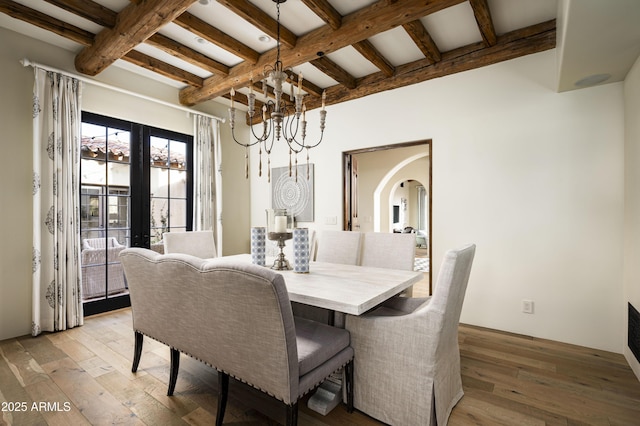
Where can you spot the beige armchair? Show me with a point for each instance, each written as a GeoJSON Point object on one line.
{"type": "Point", "coordinates": [101, 268]}
{"type": "Point", "coordinates": [407, 369]}
{"type": "Point", "coordinates": [195, 243]}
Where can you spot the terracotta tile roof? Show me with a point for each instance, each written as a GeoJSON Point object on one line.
{"type": "Point", "coordinates": [98, 146]}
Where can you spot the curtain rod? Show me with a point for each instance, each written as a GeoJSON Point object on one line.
{"type": "Point", "coordinates": [27, 63]}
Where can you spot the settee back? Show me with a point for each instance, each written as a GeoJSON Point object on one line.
{"type": "Point", "coordinates": [235, 317]}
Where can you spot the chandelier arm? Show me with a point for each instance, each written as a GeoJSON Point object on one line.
{"type": "Point", "coordinates": [268, 149]}
{"type": "Point", "coordinates": [264, 137]}
{"type": "Point", "coordinates": [317, 143]}
{"type": "Point", "coordinates": [291, 137]}
{"type": "Point", "coordinates": [291, 120]}
{"type": "Point", "coordinates": [266, 132]}
{"type": "Point", "coordinates": [323, 116]}
{"type": "Point", "coordinates": [294, 145]}
{"type": "Point", "coordinates": [246, 145]}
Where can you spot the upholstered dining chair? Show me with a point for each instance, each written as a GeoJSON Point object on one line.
{"type": "Point", "coordinates": [333, 247]}
{"type": "Point", "coordinates": [195, 243]}
{"type": "Point", "coordinates": [389, 250]}
{"type": "Point", "coordinates": [339, 247]}
{"type": "Point", "coordinates": [407, 369]}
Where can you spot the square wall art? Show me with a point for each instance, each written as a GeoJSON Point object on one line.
{"type": "Point", "coordinates": [295, 195]}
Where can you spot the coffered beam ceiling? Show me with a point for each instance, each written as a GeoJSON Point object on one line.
{"type": "Point", "coordinates": [140, 21]}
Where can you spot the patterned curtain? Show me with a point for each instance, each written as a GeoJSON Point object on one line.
{"type": "Point", "coordinates": [207, 178]}
{"type": "Point", "coordinates": [57, 296]}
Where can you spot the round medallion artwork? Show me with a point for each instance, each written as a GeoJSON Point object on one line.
{"type": "Point", "coordinates": [296, 197]}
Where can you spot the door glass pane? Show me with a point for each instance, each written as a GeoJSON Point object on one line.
{"type": "Point", "coordinates": [159, 218]}
{"type": "Point", "coordinates": [178, 183]}
{"type": "Point", "coordinates": [104, 200]}
{"type": "Point", "coordinates": [118, 215]}
{"type": "Point", "coordinates": [178, 215]}
{"type": "Point", "coordinates": [159, 152]}
{"type": "Point", "coordinates": [159, 182]}
{"type": "Point", "coordinates": [168, 187]}
{"type": "Point", "coordinates": [90, 209]}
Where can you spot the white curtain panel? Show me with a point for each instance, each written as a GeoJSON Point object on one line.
{"type": "Point", "coordinates": [207, 178]}
{"type": "Point", "coordinates": [57, 295]}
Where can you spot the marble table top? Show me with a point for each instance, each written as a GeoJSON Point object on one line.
{"type": "Point", "coordinates": [344, 288]}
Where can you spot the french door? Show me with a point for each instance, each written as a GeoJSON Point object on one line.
{"type": "Point", "coordinates": [136, 183]}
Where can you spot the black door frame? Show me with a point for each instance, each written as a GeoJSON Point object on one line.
{"type": "Point", "coordinates": [139, 202]}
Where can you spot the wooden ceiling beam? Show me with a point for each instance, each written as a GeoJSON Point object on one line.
{"type": "Point", "coordinates": [89, 10]}
{"type": "Point", "coordinates": [357, 26]}
{"type": "Point", "coordinates": [260, 20]}
{"type": "Point", "coordinates": [368, 50]}
{"type": "Point", "coordinates": [485, 22]}
{"type": "Point", "coordinates": [335, 71]}
{"type": "Point", "coordinates": [135, 24]}
{"type": "Point", "coordinates": [260, 89]}
{"type": "Point", "coordinates": [162, 68]}
{"type": "Point", "coordinates": [105, 17]}
{"type": "Point", "coordinates": [311, 88]}
{"type": "Point", "coordinates": [40, 20]}
{"type": "Point", "coordinates": [533, 39]}
{"type": "Point", "coordinates": [423, 40]}
{"type": "Point", "coordinates": [526, 41]}
{"type": "Point", "coordinates": [353, 29]}
{"type": "Point", "coordinates": [213, 35]}
{"type": "Point", "coordinates": [187, 54]}
{"type": "Point", "coordinates": [325, 11]}
{"type": "Point", "coordinates": [307, 86]}
{"type": "Point", "coordinates": [86, 38]}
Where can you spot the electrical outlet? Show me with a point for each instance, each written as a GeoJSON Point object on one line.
{"type": "Point", "coordinates": [527, 306]}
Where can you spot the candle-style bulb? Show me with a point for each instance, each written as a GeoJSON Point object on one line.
{"type": "Point", "coordinates": [324, 98]}
{"type": "Point", "coordinates": [233, 92]}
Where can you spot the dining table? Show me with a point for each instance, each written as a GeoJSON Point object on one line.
{"type": "Point", "coordinates": [350, 289]}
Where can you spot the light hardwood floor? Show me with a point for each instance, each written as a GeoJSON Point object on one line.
{"type": "Point", "coordinates": [82, 376]}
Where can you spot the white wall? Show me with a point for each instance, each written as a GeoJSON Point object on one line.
{"type": "Point", "coordinates": [533, 177]}
{"type": "Point", "coordinates": [632, 201]}
{"type": "Point", "coordinates": [16, 86]}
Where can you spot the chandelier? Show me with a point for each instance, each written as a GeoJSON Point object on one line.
{"type": "Point", "coordinates": [280, 119]}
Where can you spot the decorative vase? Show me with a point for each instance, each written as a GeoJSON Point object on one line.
{"type": "Point", "coordinates": [301, 250]}
{"type": "Point", "coordinates": [258, 245]}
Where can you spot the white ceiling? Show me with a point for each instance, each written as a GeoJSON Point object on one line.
{"type": "Point", "coordinates": [593, 36]}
